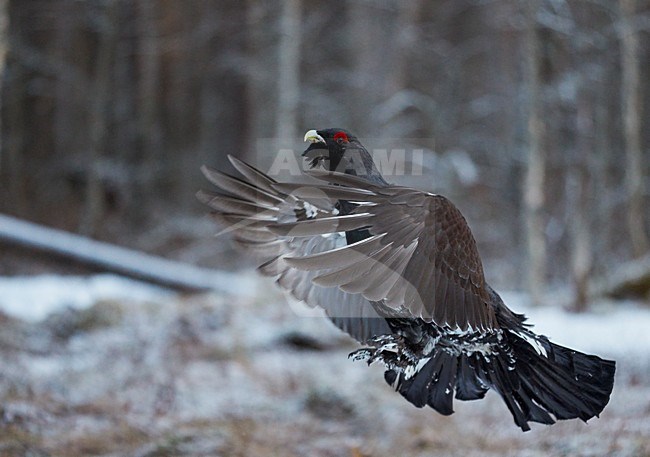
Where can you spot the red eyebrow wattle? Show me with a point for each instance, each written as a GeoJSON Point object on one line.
{"type": "Point", "coordinates": [341, 135]}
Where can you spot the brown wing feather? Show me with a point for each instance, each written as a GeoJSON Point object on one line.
{"type": "Point", "coordinates": [276, 228]}
{"type": "Point", "coordinates": [422, 260]}
{"type": "Point", "coordinates": [444, 274]}
{"type": "Point", "coordinates": [432, 268]}
{"type": "Point", "coordinates": [451, 254]}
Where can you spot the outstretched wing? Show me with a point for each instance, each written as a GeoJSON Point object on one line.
{"type": "Point", "coordinates": [253, 204]}
{"type": "Point", "coordinates": [420, 258]}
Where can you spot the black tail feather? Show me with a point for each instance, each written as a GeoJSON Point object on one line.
{"type": "Point", "coordinates": [538, 384]}
{"type": "Point", "coordinates": [432, 385]}
{"type": "Point", "coordinates": [469, 384]}
{"type": "Point", "coordinates": [566, 383]}
{"type": "Point", "coordinates": [442, 398]}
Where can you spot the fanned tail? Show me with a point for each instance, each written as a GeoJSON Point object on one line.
{"type": "Point", "coordinates": [539, 381]}
{"type": "Point", "coordinates": [552, 379]}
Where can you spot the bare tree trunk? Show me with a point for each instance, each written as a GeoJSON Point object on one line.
{"type": "Point", "coordinates": [600, 178]}
{"type": "Point", "coordinates": [257, 106]}
{"type": "Point", "coordinates": [149, 128]}
{"type": "Point", "coordinates": [366, 44]}
{"type": "Point", "coordinates": [65, 92]}
{"type": "Point", "coordinates": [398, 61]}
{"type": "Point", "coordinates": [578, 201]}
{"type": "Point", "coordinates": [212, 98]}
{"type": "Point", "coordinates": [536, 163]}
{"type": "Point", "coordinates": [289, 70]}
{"type": "Point", "coordinates": [632, 115]}
{"type": "Point", "coordinates": [4, 47]}
{"type": "Point", "coordinates": [12, 167]}
{"type": "Point", "coordinates": [94, 198]}
{"type": "Point", "coordinates": [406, 41]}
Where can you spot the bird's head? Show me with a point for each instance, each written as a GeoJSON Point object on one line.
{"type": "Point", "coordinates": [339, 150]}
{"type": "Point", "coordinates": [329, 146]}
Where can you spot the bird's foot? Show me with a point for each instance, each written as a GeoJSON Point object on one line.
{"type": "Point", "coordinates": [390, 350]}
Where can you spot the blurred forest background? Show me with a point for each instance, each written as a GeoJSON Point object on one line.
{"type": "Point", "coordinates": [533, 117]}
{"type": "Point", "coordinates": [538, 111]}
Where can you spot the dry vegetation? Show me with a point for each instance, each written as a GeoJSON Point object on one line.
{"type": "Point", "coordinates": [212, 376]}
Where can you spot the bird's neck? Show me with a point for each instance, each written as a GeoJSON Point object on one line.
{"type": "Point", "coordinates": [358, 162]}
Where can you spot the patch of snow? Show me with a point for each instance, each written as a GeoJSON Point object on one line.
{"type": "Point", "coordinates": [621, 330]}
{"type": "Point", "coordinates": [33, 298]}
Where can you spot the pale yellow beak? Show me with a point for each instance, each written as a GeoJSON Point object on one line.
{"type": "Point", "coordinates": [313, 137]}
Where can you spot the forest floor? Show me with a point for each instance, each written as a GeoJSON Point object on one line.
{"type": "Point", "coordinates": [106, 367]}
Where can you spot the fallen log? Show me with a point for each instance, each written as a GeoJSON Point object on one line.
{"type": "Point", "coordinates": [129, 262]}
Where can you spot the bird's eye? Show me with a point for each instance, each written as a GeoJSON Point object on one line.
{"type": "Point", "coordinates": [341, 137]}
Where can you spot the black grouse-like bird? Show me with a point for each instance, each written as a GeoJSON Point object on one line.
{"type": "Point", "coordinates": [398, 269]}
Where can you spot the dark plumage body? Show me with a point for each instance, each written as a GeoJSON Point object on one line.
{"type": "Point", "coordinates": [398, 269]}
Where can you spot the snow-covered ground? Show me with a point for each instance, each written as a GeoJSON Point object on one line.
{"type": "Point", "coordinates": [33, 298]}
{"type": "Point", "coordinates": [621, 328]}
{"type": "Point", "coordinates": [614, 329]}
{"type": "Point", "coordinates": [102, 365]}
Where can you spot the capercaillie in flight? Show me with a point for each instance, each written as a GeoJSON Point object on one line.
{"type": "Point", "coordinates": [398, 269]}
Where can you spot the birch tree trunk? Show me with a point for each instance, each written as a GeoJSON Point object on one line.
{"type": "Point", "coordinates": [289, 70]}
{"type": "Point", "coordinates": [632, 115]}
{"type": "Point", "coordinates": [536, 163]}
